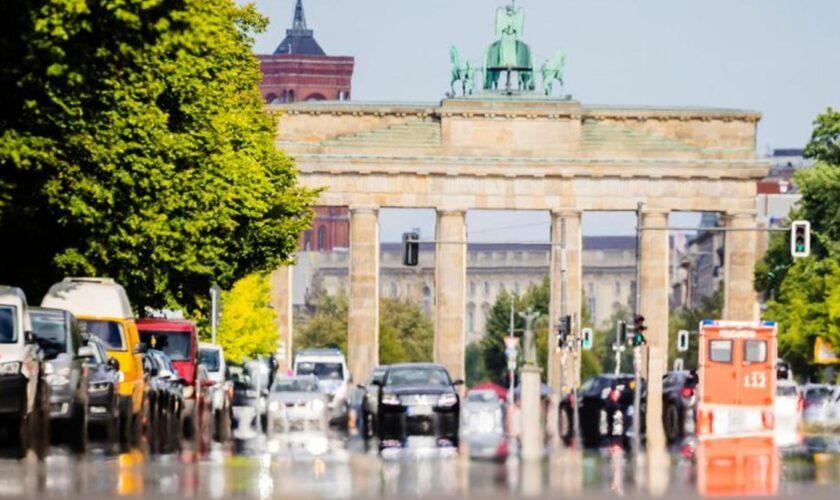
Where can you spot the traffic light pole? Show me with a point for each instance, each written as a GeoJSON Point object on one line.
{"type": "Point", "coordinates": [637, 355]}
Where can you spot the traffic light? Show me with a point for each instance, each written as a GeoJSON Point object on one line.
{"type": "Point", "coordinates": [621, 333]}
{"type": "Point", "coordinates": [411, 249]}
{"type": "Point", "coordinates": [586, 338]}
{"type": "Point", "coordinates": [564, 328]}
{"type": "Point", "coordinates": [682, 340]}
{"type": "Point", "coordinates": [639, 331]}
{"type": "Point", "coordinates": [800, 238]}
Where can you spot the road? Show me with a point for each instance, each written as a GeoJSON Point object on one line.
{"type": "Point", "coordinates": [347, 470]}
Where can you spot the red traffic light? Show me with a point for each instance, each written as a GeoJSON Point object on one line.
{"type": "Point", "coordinates": [639, 323]}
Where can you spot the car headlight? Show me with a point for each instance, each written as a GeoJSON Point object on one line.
{"type": "Point", "coordinates": [11, 368]}
{"type": "Point", "coordinates": [390, 399]}
{"type": "Point", "coordinates": [120, 377]}
{"type": "Point", "coordinates": [274, 406]}
{"type": "Point", "coordinates": [98, 387]}
{"type": "Point", "coordinates": [317, 405]}
{"type": "Point", "coordinates": [58, 379]}
{"type": "Point", "coordinates": [188, 391]}
{"type": "Point", "coordinates": [447, 400]}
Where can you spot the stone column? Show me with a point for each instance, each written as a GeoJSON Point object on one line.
{"type": "Point", "coordinates": [574, 289]}
{"type": "Point", "coordinates": [450, 290]}
{"type": "Point", "coordinates": [654, 307]}
{"type": "Point", "coordinates": [281, 301]}
{"type": "Point", "coordinates": [740, 299]}
{"type": "Point", "coordinates": [363, 299]}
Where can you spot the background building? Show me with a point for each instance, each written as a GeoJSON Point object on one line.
{"type": "Point", "coordinates": [300, 70]}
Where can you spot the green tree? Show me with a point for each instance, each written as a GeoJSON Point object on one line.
{"type": "Point", "coordinates": [406, 334]}
{"type": "Point", "coordinates": [248, 322]}
{"type": "Point", "coordinates": [803, 295]}
{"type": "Point", "coordinates": [134, 144]}
{"type": "Point", "coordinates": [689, 319]}
{"type": "Point", "coordinates": [474, 361]}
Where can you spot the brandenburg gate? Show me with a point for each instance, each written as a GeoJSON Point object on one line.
{"type": "Point", "coordinates": [519, 149]}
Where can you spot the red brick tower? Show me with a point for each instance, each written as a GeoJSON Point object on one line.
{"type": "Point", "coordinates": [299, 70]}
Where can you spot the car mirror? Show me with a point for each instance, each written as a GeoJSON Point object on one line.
{"type": "Point", "coordinates": [85, 338]}
{"type": "Point", "coordinates": [28, 337]}
{"type": "Point", "coordinates": [377, 383]}
{"type": "Point", "coordinates": [113, 363]}
{"type": "Point", "coordinates": [458, 382]}
{"type": "Point", "coordinates": [141, 348]}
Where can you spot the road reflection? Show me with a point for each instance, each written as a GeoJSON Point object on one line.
{"type": "Point", "coordinates": [350, 469]}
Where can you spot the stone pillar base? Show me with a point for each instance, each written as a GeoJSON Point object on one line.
{"type": "Point", "coordinates": [532, 438]}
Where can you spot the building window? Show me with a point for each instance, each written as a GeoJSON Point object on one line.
{"type": "Point", "coordinates": [590, 289]}
{"type": "Point", "coordinates": [516, 288]}
{"type": "Point", "coordinates": [471, 320]}
{"type": "Point", "coordinates": [393, 290]}
{"type": "Point", "coordinates": [593, 312]}
{"type": "Point", "coordinates": [487, 288]}
{"type": "Point", "coordinates": [501, 287]}
{"type": "Point", "coordinates": [322, 237]}
{"type": "Point", "coordinates": [307, 240]}
{"type": "Point", "coordinates": [427, 299]}
{"type": "Point", "coordinates": [472, 288]}
{"type": "Point", "coordinates": [617, 288]}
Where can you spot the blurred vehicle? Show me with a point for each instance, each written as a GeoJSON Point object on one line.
{"type": "Point", "coordinates": [788, 413]}
{"type": "Point", "coordinates": [24, 392]}
{"type": "Point", "coordinates": [818, 405]}
{"type": "Point", "coordinates": [177, 338]}
{"type": "Point", "coordinates": [103, 310]}
{"type": "Point", "coordinates": [783, 370]}
{"type": "Point", "coordinates": [246, 423]}
{"type": "Point", "coordinates": [330, 367]}
{"type": "Point", "coordinates": [418, 399]}
{"type": "Point", "coordinates": [605, 410]}
{"type": "Point", "coordinates": [201, 420]}
{"type": "Point", "coordinates": [164, 402]}
{"type": "Point", "coordinates": [365, 403]}
{"type": "Point", "coordinates": [483, 424]}
{"type": "Point", "coordinates": [212, 356]}
{"type": "Point", "coordinates": [104, 377]}
{"type": "Point", "coordinates": [679, 404]}
{"type": "Point", "coordinates": [737, 372]}
{"type": "Point", "coordinates": [57, 333]}
{"type": "Point", "coordinates": [297, 415]}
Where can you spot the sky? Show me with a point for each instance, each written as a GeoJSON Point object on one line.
{"type": "Point", "coordinates": [779, 57]}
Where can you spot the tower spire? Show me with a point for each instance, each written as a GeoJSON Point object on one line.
{"type": "Point", "coordinates": [299, 21]}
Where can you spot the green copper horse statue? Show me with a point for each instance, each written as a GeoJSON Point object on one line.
{"type": "Point", "coordinates": [552, 69]}
{"type": "Point", "coordinates": [461, 71]}
{"type": "Point", "coordinates": [508, 53]}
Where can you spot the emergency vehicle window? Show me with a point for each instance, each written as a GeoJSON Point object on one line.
{"type": "Point", "coordinates": [720, 351]}
{"type": "Point", "coordinates": [755, 351]}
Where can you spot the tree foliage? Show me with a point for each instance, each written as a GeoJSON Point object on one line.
{"type": "Point", "coordinates": [406, 334]}
{"type": "Point", "coordinates": [804, 295]}
{"type": "Point", "coordinates": [248, 322]}
{"type": "Point", "coordinates": [689, 319]}
{"type": "Point", "coordinates": [134, 144]}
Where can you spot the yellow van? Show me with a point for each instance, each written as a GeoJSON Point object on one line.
{"type": "Point", "coordinates": [104, 311]}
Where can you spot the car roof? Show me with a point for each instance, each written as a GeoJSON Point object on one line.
{"type": "Point", "coordinates": [209, 347]}
{"type": "Point", "coordinates": [165, 324]}
{"type": "Point", "coordinates": [416, 365]}
{"type": "Point", "coordinates": [11, 295]}
{"type": "Point", "coordinates": [50, 311]}
{"type": "Point", "coordinates": [320, 351]}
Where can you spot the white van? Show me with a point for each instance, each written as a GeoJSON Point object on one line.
{"type": "Point", "coordinates": [24, 393]}
{"type": "Point", "coordinates": [330, 366]}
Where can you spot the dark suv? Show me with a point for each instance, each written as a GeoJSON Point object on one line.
{"type": "Point", "coordinates": [605, 410]}
{"type": "Point", "coordinates": [417, 399]}
{"type": "Point", "coordinates": [59, 336]}
{"type": "Point", "coordinates": [679, 402]}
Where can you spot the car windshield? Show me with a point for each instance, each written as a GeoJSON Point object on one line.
{"type": "Point", "coordinates": [295, 385]}
{"type": "Point", "coordinates": [176, 345]}
{"type": "Point", "coordinates": [8, 325]}
{"type": "Point", "coordinates": [109, 332]}
{"type": "Point", "coordinates": [210, 359]}
{"type": "Point", "coordinates": [482, 397]}
{"type": "Point", "coordinates": [51, 331]}
{"type": "Point", "coordinates": [377, 376]}
{"type": "Point", "coordinates": [817, 394]}
{"type": "Point", "coordinates": [417, 376]}
{"type": "Point", "coordinates": [785, 390]}
{"type": "Point", "coordinates": [322, 370]}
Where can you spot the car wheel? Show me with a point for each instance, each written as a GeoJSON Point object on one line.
{"type": "Point", "coordinates": [672, 423]}
{"type": "Point", "coordinates": [368, 423]}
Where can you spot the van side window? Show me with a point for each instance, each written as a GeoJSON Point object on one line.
{"type": "Point", "coordinates": [755, 351]}
{"type": "Point", "coordinates": [720, 351]}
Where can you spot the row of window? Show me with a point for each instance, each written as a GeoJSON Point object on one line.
{"type": "Point", "coordinates": [289, 96]}
{"type": "Point", "coordinates": [321, 241]}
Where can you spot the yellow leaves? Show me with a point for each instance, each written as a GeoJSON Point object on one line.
{"type": "Point", "coordinates": [247, 325]}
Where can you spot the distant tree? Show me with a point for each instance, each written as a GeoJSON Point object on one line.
{"type": "Point", "coordinates": [689, 319]}
{"type": "Point", "coordinates": [824, 145]}
{"type": "Point", "coordinates": [247, 326]}
{"type": "Point", "coordinates": [134, 144]}
{"type": "Point", "coordinates": [406, 334]}
{"type": "Point", "coordinates": [474, 361]}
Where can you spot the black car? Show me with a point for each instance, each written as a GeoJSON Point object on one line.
{"type": "Point", "coordinates": [679, 402]}
{"type": "Point", "coordinates": [58, 334]}
{"type": "Point", "coordinates": [605, 410]}
{"type": "Point", "coordinates": [417, 399]}
{"type": "Point", "coordinates": [368, 402]}
{"type": "Point", "coordinates": [164, 402]}
{"type": "Point", "coordinates": [104, 378]}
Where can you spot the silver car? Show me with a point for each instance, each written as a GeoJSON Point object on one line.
{"type": "Point", "coordinates": [818, 406]}
{"type": "Point", "coordinates": [483, 425]}
{"type": "Point", "coordinates": [297, 416]}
